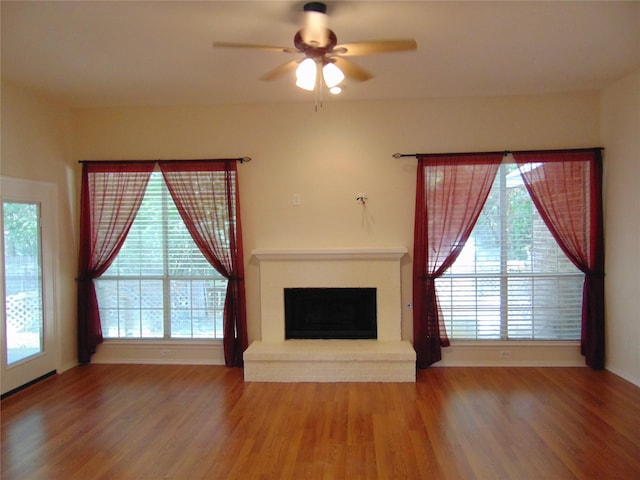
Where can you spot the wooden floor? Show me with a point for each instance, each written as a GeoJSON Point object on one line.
{"type": "Point", "coordinates": [201, 422]}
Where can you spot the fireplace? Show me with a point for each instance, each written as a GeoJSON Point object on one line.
{"type": "Point", "coordinates": [381, 357]}
{"type": "Point", "coordinates": [330, 313]}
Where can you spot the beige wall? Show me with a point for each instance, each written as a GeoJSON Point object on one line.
{"type": "Point", "coordinates": [621, 136]}
{"type": "Point", "coordinates": [37, 145]}
{"type": "Point", "coordinates": [330, 156]}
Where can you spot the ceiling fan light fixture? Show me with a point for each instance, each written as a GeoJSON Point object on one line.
{"type": "Point", "coordinates": [318, 45]}
{"type": "Point", "coordinates": [332, 75]}
{"type": "Point", "coordinates": [306, 74]}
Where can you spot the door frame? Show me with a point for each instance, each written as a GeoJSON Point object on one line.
{"type": "Point", "coordinates": [26, 371]}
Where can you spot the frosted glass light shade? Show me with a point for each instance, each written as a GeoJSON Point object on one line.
{"type": "Point", "coordinates": [306, 74]}
{"type": "Point", "coordinates": [332, 75]}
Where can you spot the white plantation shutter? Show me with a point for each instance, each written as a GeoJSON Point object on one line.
{"type": "Point", "coordinates": [511, 280]}
{"type": "Point", "coordinates": [160, 285]}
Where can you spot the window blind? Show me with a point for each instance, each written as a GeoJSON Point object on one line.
{"type": "Point", "coordinates": [511, 280]}
{"type": "Point", "coordinates": [160, 285]}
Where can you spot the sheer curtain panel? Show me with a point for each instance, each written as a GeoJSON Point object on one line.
{"type": "Point", "coordinates": [451, 191]}
{"type": "Point", "coordinates": [110, 197]}
{"type": "Point", "coordinates": [206, 195]}
{"type": "Point", "coordinates": [566, 188]}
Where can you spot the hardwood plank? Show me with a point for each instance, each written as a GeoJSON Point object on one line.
{"type": "Point", "coordinates": [143, 422]}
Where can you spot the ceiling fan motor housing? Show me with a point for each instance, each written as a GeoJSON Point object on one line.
{"type": "Point", "coordinates": [312, 50]}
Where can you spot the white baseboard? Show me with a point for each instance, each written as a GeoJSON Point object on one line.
{"type": "Point", "coordinates": [625, 375]}
{"type": "Point", "coordinates": [459, 354]}
{"type": "Point", "coordinates": [512, 354]}
{"type": "Point", "coordinates": [174, 352]}
{"type": "Point", "coordinates": [67, 366]}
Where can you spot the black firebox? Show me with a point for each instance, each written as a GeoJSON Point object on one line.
{"type": "Point", "coordinates": [330, 313]}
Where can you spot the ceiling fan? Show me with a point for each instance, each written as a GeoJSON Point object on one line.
{"type": "Point", "coordinates": [321, 51]}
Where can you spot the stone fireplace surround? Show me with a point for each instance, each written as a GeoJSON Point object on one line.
{"type": "Point", "coordinates": [274, 359]}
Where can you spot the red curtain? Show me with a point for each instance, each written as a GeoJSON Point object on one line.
{"type": "Point", "coordinates": [206, 195]}
{"type": "Point", "coordinates": [110, 197]}
{"type": "Point", "coordinates": [450, 194]}
{"type": "Point", "coordinates": [566, 188]}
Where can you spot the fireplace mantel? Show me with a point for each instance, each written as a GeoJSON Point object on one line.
{"type": "Point", "coordinates": [330, 254]}
{"type": "Point", "coordinates": [332, 267]}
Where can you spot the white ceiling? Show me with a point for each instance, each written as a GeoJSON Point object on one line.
{"type": "Point", "coordinates": [115, 53]}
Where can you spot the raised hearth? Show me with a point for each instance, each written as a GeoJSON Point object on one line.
{"type": "Point", "coordinates": [274, 359]}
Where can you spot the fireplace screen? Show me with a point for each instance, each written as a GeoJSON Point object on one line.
{"type": "Point", "coordinates": [330, 313]}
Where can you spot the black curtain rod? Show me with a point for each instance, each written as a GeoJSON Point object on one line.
{"type": "Point", "coordinates": [240, 159]}
{"type": "Point", "coordinates": [504, 152]}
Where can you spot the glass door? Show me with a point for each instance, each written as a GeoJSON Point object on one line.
{"type": "Point", "coordinates": [23, 281]}
{"type": "Point", "coordinates": [28, 334]}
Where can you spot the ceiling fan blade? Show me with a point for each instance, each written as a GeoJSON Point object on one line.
{"type": "Point", "coordinates": [254, 46]}
{"type": "Point", "coordinates": [281, 70]}
{"type": "Point", "coordinates": [376, 46]}
{"type": "Point", "coordinates": [351, 70]}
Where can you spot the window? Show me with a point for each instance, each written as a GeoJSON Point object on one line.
{"type": "Point", "coordinates": [511, 280]}
{"type": "Point", "coordinates": [160, 285]}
